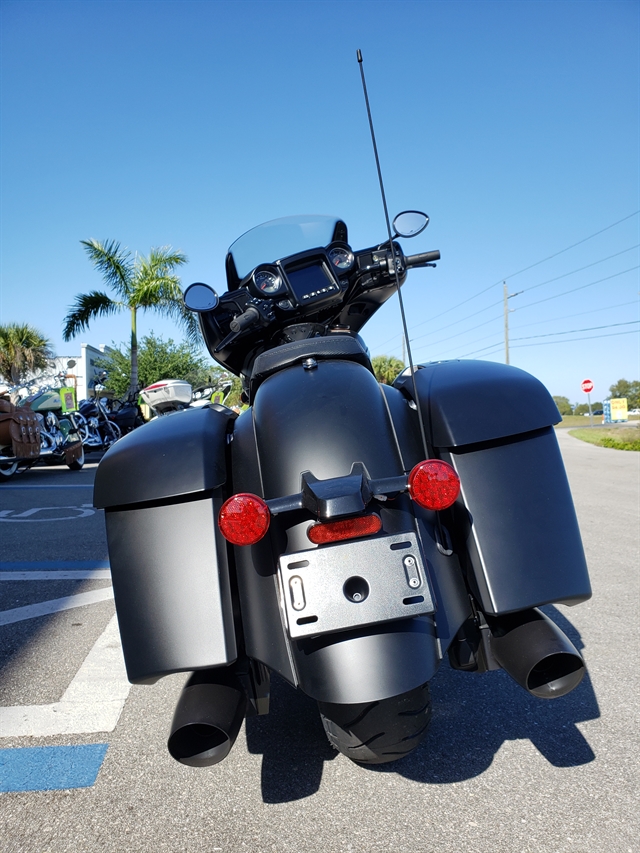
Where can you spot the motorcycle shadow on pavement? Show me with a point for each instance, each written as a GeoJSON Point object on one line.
{"type": "Point", "coordinates": [473, 715]}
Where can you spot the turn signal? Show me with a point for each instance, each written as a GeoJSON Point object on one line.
{"type": "Point", "coordinates": [434, 484]}
{"type": "Point", "coordinates": [244, 519]}
{"type": "Point", "coordinates": [350, 528]}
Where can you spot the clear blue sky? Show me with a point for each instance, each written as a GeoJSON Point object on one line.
{"type": "Point", "coordinates": [513, 124]}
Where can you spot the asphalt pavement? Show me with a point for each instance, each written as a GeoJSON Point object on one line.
{"type": "Point", "coordinates": [499, 771]}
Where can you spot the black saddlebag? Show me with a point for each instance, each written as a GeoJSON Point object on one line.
{"type": "Point", "coordinates": [494, 424]}
{"type": "Point", "coordinates": [162, 488]}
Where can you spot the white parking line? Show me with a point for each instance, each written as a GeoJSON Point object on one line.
{"type": "Point", "coordinates": [93, 701]}
{"type": "Point", "coordinates": [55, 605]}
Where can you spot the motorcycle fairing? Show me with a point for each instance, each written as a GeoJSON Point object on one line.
{"type": "Point", "coordinates": [517, 526]}
{"type": "Point", "coordinates": [162, 489]}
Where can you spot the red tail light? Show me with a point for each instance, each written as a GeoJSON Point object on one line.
{"type": "Point", "coordinates": [244, 519]}
{"type": "Point", "coordinates": [350, 528]}
{"type": "Point", "coordinates": [434, 484]}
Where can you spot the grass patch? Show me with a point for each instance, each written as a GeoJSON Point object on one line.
{"type": "Point", "coordinates": [582, 421]}
{"type": "Point", "coordinates": [619, 438]}
{"type": "Point", "coordinates": [578, 421]}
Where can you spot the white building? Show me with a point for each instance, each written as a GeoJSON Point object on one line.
{"type": "Point", "coordinates": [80, 371]}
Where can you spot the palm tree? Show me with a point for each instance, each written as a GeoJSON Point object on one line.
{"type": "Point", "coordinates": [139, 283]}
{"type": "Point", "coordinates": [386, 368]}
{"type": "Point", "coordinates": [23, 350]}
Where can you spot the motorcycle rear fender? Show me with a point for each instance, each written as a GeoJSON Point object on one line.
{"type": "Point", "coordinates": [162, 487]}
{"type": "Point", "coordinates": [514, 522]}
{"type": "Point", "coordinates": [323, 420]}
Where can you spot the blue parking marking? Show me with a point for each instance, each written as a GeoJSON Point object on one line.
{"type": "Point", "coordinates": [51, 768]}
{"type": "Point", "coordinates": [53, 564]}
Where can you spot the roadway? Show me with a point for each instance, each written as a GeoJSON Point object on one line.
{"type": "Point", "coordinates": [83, 761]}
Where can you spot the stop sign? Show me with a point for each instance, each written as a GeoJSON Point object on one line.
{"type": "Point", "coordinates": [587, 386]}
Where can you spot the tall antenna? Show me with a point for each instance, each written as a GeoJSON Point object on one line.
{"type": "Point", "coordinates": [395, 266]}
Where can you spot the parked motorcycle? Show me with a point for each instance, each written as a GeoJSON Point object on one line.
{"type": "Point", "coordinates": [20, 438]}
{"type": "Point", "coordinates": [126, 414]}
{"type": "Point", "coordinates": [102, 429]}
{"type": "Point", "coordinates": [167, 395]}
{"type": "Point", "coordinates": [63, 429]}
{"type": "Point", "coordinates": [342, 533]}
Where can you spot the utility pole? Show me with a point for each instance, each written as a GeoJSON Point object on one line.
{"type": "Point", "coordinates": [507, 297]}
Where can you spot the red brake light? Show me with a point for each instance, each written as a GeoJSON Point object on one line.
{"type": "Point", "coordinates": [434, 484]}
{"type": "Point", "coordinates": [244, 519]}
{"type": "Point", "coordinates": [350, 528]}
{"type": "Point", "coordinates": [155, 385]}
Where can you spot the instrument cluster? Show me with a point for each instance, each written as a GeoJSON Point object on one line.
{"type": "Point", "coordinates": [308, 278]}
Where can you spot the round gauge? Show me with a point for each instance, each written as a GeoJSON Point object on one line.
{"type": "Point", "coordinates": [341, 258]}
{"type": "Point", "coordinates": [266, 281]}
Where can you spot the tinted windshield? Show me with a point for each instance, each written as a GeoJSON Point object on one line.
{"type": "Point", "coordinates": [279, 238]}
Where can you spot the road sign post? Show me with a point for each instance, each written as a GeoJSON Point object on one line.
{"type": "Point", "coordinates": [587, 387]}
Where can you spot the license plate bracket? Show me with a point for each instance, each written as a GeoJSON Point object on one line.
{"type": "Point", "coordinates": [354, 584]}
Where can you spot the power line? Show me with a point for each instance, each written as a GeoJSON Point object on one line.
{"type": "Point", "coordinates": [588, 338]}
{"type": "Point", "coordinates": [522, 307]}
{"type": "Point", "coordinates": [524, 326]}
{"type": "Point", "coordinates": [537, 263]}
{"type": "Point", "coordinates": [580, 269]}
{"type": "Point", "coordinates": [579, 314]}
{"type": "Point", "coordinates": [495, 346]}
{"type": "Point", "coordinates": [574, 331]}
{"type": "Point", "coordinates": [461, 320]}
{"type": "Point", "coordinates": [582, 287]}
{"type": "Point", "coordinates": [531, 266]}
{"type": "Point", "coordinates": [457, 334]}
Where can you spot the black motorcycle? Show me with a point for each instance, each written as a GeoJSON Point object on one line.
{"type": "Point", "coordinates": [342, 533]}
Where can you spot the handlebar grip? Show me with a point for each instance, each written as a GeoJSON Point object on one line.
{"type": "Point", "coordinates": [247, 318]}
{"type": "Point", "coordinates": [421, 259]}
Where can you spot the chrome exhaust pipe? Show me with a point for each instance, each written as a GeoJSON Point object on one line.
{"type": "Point", "coordinates": [536, 653]}
{"type": "Point", "coordinates": [207, 718]}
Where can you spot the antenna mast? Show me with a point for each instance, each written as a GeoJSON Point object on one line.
{"type": "Point", "coordinates": [395, 267]}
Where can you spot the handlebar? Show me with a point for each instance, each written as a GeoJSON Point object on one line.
{"type": "Point", "coordinates": [422, 259]}
{"type": "Point", "coordinates": [247, 318]}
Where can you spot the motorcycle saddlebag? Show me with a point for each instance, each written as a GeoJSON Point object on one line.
{"type": "Point", "coordinates": [19, 428]}
{"type": "Point", "coordinates": [494, 424]}
{"type": "Point", "coordinates": [161, 488]}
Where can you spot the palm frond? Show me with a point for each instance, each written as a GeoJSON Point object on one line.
{"type": "Point", "coordinates": [164, 260]}
{"type": "Point", "coordinates": [114, 263]}
{"type": "Point", "coordinates": [184, 318]}
{"type": "Point", "coordinates": [23, 350]}
{"type": "Point", "coordinates": [87, 307]}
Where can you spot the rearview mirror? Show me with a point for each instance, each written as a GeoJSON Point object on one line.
{"type": "Point", "coordinates": [200, 297]}
{"type": "Point", "coordinates": [409, 223]}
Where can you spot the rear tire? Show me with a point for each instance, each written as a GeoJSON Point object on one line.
{"type": "Point", "coordinates": [7, 469]}
{"type": "Point", "coordinates": [378, 732]}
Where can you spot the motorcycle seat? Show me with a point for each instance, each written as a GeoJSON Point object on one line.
{"type": "Point", "coordinates": [342, 347]}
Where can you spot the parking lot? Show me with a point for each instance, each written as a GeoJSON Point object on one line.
{"type": "Point", "coordinates": [83, 755]}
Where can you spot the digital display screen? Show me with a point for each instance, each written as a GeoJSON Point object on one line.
{"type": "Point", "coordinates": [308, 280]}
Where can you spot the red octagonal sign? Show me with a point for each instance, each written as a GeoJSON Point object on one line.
{"type": "Point", "coordinates": [587, 386]}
